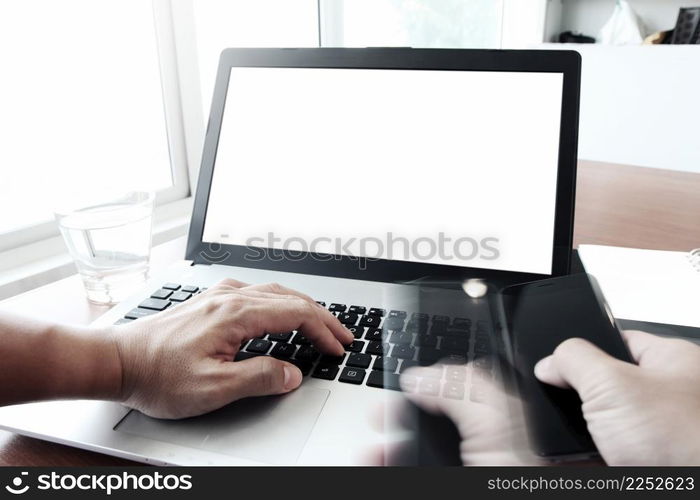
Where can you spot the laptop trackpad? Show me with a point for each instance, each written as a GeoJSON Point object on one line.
{"type": "Point", "coordinates": [271, 430]}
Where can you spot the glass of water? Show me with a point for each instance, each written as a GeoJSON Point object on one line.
{"type": "Point", "coordinates": [111, 244]}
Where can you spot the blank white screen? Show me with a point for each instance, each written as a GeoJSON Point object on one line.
{"type": "Point", "coordinates": [353, 153]}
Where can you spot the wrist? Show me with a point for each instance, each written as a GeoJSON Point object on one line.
{"type": "Point", "coordinates": [90, 363]}
{"type": "Point", "coordinates": [111, 384]}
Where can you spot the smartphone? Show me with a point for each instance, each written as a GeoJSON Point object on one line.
{"type": "Point", "coordinates": [539, 316]}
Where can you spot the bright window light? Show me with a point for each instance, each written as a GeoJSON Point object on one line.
{"type": "Point", "coordinates": [422, 23]}
{"type": "Point", "coordinates": [220, 24]}
{"type": "Point", "coordinates": [81, 104]}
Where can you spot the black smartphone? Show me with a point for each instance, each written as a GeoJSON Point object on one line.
{"type": "Point", "coordinates": [538, 317]}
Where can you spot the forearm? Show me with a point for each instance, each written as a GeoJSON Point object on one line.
{"type": "Point", "coordinates": [41, 361]}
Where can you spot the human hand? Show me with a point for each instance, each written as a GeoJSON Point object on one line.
{"type": "Point", "coordinates": [491, 427]}
{"type": "Point", "coordinates": [644, 414]}
{"type": "Point", "coordinates": [179, 363]}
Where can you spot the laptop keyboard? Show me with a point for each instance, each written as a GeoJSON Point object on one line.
{"type": "Point", "coordinates": [387, 342]}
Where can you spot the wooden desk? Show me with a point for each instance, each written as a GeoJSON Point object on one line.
{"type": "Point", "coordinates": [637, 207]}
{"type": "Point", "coordinates": [617, 205]}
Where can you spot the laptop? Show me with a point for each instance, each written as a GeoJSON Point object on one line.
{"type": "Point", "coordinates": [400, 188]}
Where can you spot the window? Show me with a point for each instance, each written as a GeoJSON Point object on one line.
{"type": "Point", "coordinates": [220, 24]}
{"type": "Point", "coordinates": [412, 23]}
{"type": "Point", "coordinates": [113, 94]}
{"type": "Point", "coordinates": [82, 107]}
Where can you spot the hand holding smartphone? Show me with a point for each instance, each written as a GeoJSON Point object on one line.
{"type": "Point", "coordinates": [538, 317]}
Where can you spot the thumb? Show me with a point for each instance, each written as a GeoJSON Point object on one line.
{"type": "Point", "coordinates": [261, 376]}
{"type": "Point", "coordinates": [576, 364]}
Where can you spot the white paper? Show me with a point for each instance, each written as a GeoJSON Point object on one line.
{"type": "Point", "coordinates": [646, 285]}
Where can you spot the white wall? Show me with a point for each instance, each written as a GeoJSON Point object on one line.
{"type": "Point", "coordinates": [640, 105]}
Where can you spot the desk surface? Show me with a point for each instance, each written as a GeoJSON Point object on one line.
{"type": "Point", "coordinates": [616, 205]}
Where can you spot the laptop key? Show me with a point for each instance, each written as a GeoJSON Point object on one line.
{"type": "Point", "coordinates": [357, 331]}
{"type": "Point", "coordinates": [190, 289]}
{"type": "Point", "coordinates": [304, 366]}
{"type": "Point", "coordinates": [394, 323]}
{"type": "Point", "coordinates": [357, 309]}
{"type": "Point", "coordinates": [171, 286]}
{"type": "Point", "coordinates": [155, 304]}
{"type": "Point", "coordinates": [352, 375]}
{"type": "Point", "coordinates": [139, 313]}
{"type": "Point", "coordinates": [242, 355]}
{"type": "Point", "coordinates": [417, 326]}
{"type": "Point", "coordinates": [426, 340]}
{"type": "Point", "coordinates": [259, 345]}
{"type": "Point", "coordinates": [377, 348]}
{"type": "Point", "coordinates": [283, 351]}
{"type": "Point", "coordinates": [384, 363]}
{"type": "Point", "coordinates": [321, 303]}
{"type": "Point", "coordinates": [462, 322]}
{"type": "Point", "coordinates": [453, 358]}
{"type": "Point", "coordinates": [337, 308]}
{"type": "Point", "coordinates": [482, 347]}
{"type": "Point", "coordinates": [456, 374]}
{"type": "Point", "coordinates": [453, 390]}
{"type": "Point", "coordinates": [384, 380]}
{"type": "Point", "coordinates": [437, 318]}
{"type": "Point", "coordinates": [406, 364]}
{"type": "Point", "coordinates": [326, 372]}
{"type": "Point", "coordinates": [428, 356]}
{"type": "Point", "coordinates": [307, 353]}
{"type": "Point", "coordinates": [332, 360]}
{"type": "Point", "coordinates": [375, 334]}
{"type": "Point", "coordinates": [457, 330]}
{"type": "Point", "coordinates": [348, 318]}
{"type": "Point", "coordinates": [453, 343]}
{"type": "Point", "coordinates": [429, 387]}
{"type": "Point", "coordinates": [359, 360]}
{"type": "Point", "coordinates": [300, 339]}
{"type": "Point", "coordinates": [280, 337]}
{"type": "Point", "coordinates": [180, 296]}
{"type": "Point", "coordinates": [161, 294]}
{"type": "Point", "coordinates": [403, 351]}
{"type": "Point", "coordinates": [401, 338]}
{"type": "Point", "coordinates": [355, 346]}
{"type": "Point", "coordinates": [375, 311]}
{"type": "Point", "coordinates": [438, 328]}
{"type": "Point", "coordinates": [123, 321]}
{"type": "Point", "coordinates": [372, 321]}
{"type": "Point", "coordinates": [397, 314]}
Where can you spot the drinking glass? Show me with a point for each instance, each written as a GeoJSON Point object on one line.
{"type": "Point", "coordinates": [111, 244]}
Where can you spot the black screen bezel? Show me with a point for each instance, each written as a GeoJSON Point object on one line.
{"type": "Point", "coordinates": [566, 62]}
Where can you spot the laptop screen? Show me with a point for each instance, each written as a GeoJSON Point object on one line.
{"type": "Point", "coordinates": [456, 168]}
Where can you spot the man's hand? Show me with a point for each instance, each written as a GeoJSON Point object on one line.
{"type": "Point", "coordinates": [179, 363]}
{"type": "Point", "coordinates": [645, 414]}
{"type": "Point", "coordinates": [492, 428]}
